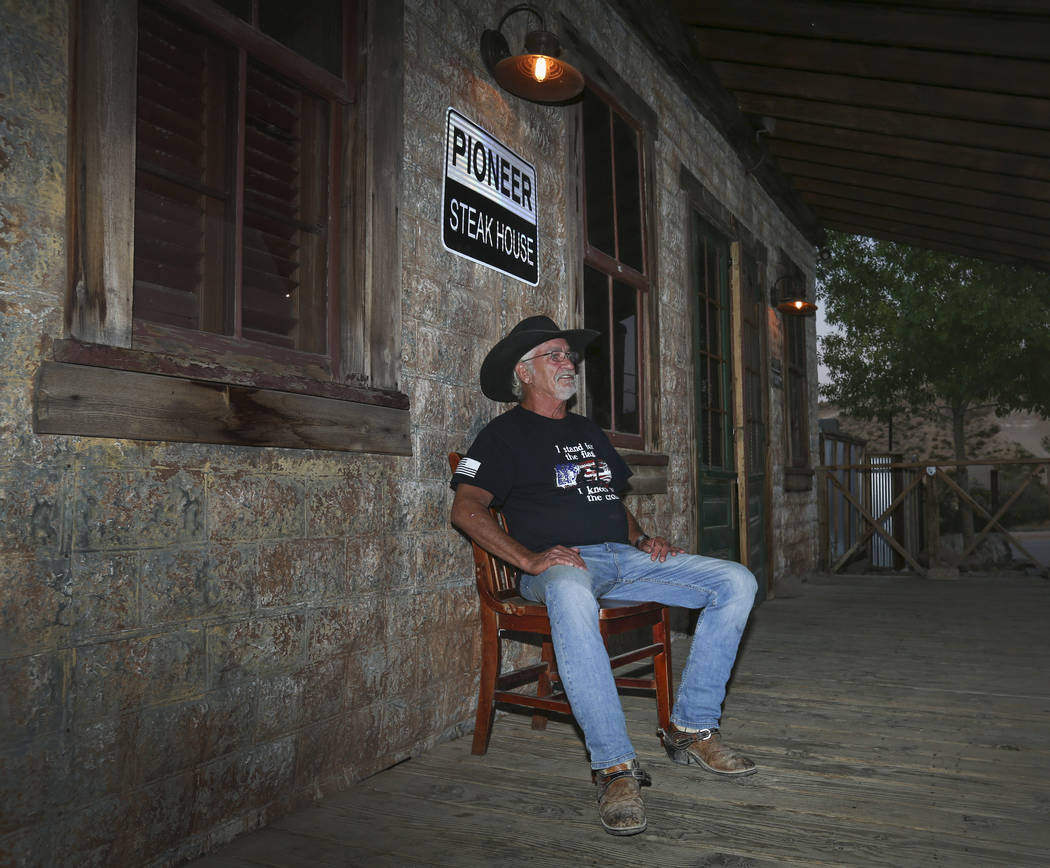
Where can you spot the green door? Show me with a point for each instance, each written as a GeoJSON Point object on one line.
{"type": "Point", "coordinates": [712, 348]}
{"type": "Point", "coordinates": [755, 437]}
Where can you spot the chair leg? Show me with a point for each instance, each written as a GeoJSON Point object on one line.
{"type": "Point", "coordinates": [543, 683]}
{"type": "Point", "coordinates": [487, 681]}
{"type": "Point", "coordinates": [662, 670]}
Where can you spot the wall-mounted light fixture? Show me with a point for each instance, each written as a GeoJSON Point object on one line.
{"type": "Point", "coordinates": [788, 295]}
{"type": "Point", "coordinates": [536, 74]}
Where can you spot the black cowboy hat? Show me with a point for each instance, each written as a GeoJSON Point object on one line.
{"type": "Point", "coordinates": [496, 370]}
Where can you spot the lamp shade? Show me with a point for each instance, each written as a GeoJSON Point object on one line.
{"type": "Point", "coordinates": [538, 77]}
{"type": "Point", "coordinates": [789, 296]}
{"type": "Point", "coordinates": [536, 74]}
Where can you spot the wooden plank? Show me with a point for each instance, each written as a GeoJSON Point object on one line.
{"type": "Point", "coordinates": [1009, 139]}
{"type": "Point", "coordinates": [968, 71]}
{"type": "Point", "coordinates": [102, 173]}
{"type": "Point", "coordinates": [103, 402]}
{"type": "Point", "coordinates": [938, 101]}
{"type": "Point", "coordinates": [936, 214]}
{"type": "Point", "coordinates": [813, 157]}
{"type": "Point", "coordinates": [955, 153]}
{"type": "Point", "coordinates": [857, 221]}
{"type": "Point", "coordinates": [863, 699]}
{"type": "Point", "coordinates": [997, 207]}
{"type": "Point", "coordinates": [948, 30]}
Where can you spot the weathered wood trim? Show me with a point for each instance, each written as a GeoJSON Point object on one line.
{"type": "Point", "coordinates": [102, 402]}
{"type": "Point", "coordinates": [736, 318]}
{"type": "Point", "coordinates": [102, 172]}
{"type": "Point", "coordinates": [372, 343]}
{"type": "Point", "coordinates": [649, 472]}
{"type": "Point", "coordinates": [244, 373]}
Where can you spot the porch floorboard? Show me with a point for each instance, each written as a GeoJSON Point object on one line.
{"type": "Point", "coordinates": [896, 722]}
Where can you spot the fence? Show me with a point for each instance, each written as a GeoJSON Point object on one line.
{"type": "Point", "coordinates": [888, 513]}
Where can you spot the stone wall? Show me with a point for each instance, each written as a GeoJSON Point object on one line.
{"type": "Point", "coordinates": [195, 639]}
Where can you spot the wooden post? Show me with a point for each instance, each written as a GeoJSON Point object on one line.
{"type": "Point", "coordinates": [932, 519]}
{"type": "Point", "coordinates": [102, 173]}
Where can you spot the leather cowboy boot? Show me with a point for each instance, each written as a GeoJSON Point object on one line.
{"type": "Point", "coordinates": [705, 748]}
{"type": "Point", "coordinates": [620, 804]}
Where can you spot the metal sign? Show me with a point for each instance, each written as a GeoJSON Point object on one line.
{"type": "Point", "coordinates": [489, 208]}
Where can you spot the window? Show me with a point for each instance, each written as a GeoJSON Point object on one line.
{"type": "Point", "coordinates": [796, 391]}
{"type": "Point", "coordinates": [615, 280]}
{"type": "Point", "coordinates": [712, 357]}
{"type": "Point", "coordinates": [233, 241]}
{"type": "Point", "coordinates": [235, 163]}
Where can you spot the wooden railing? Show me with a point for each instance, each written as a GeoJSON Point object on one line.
{"type": "Point", "coordinates": [889, 511]}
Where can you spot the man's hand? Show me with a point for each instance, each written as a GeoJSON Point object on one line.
{"type": "Point", "coordinates": [558, 555]}
{"type": "Point", "coordinates": [658, 548]}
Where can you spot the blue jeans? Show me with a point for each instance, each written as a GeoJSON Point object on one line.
{"type": "Point", "coordinates": [725, 590]}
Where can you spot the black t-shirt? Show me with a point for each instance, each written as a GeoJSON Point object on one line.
{"type": "Point", "coordinates": [555, 479]}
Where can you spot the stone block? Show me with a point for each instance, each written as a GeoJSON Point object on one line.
{"type": "Point", "coordinates": [323, 753]}
{"type": "Point", "coordinates": [182, 736]}
{"type": "Point", "coordinates": [368, 565]}
{"type": "Point", "coordinates": [34, 781]}
{"type": "Point", "coordinates": [298, 572]}
{"type": "Point", "coordinates": [113, 677]}
{"type": "Point", "coordinates": [120, 509]}
{"type": "Point", "coordinates": [324, 685]}
{"type": "Point", "coordinates": [424, 506]}
{"type": "Point", "coordinates": [32, 508]}
{"type": "Point", "coordinates": [32, 696]}
{"type": "Point", "coordinates": [105, 587]}
{"type": "Point", "coordinates": [341, 630]}
{"type": "Point", "coordinates": [355, 502]}
{"type": "Point", "coordinates": [36, 603]}
{"type": "Point", "coordinates": [251, 507]}
{"type": "Point", "coordinates": [256, 648]}
{"type": "Point", "coordinates": [180, 584]}
{"type": "Point", "coordinates": [280, 708]}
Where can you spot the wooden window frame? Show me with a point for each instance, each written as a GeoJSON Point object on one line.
{"type": "Point", "coordinates": [721, 357]}
{"type": "Point", "coordinates": [615, 270]}
{"type": "Point", "coordinates": [227, 392]}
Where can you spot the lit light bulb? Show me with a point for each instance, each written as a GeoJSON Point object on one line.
{"type": "Point", "coordinates": [799, 304]}
{"type": "Point", "coordinates": [540, 70]}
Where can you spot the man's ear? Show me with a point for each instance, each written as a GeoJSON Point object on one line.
{"type": "Point", "coordinates": [522, 370]}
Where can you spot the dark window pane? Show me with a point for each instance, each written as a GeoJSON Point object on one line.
{"type": "Point", "coordinates": [182, 180]}
{"type": "Point", "coordinates": [597, 158]}
{"type": "Point", "coordinates": [596, 316]}
{"type": "Point", "coordinates": [712, 347]}
{"type": "Point", "coordinates": [311, 28]}
{"type": "Point", "coordinates": [625, 357]}
{"type": "Point", "coordinates": [285, 184]}
{"type": "Point", "coordinates": [187, 209]}
{"type": "Point", "coordinates": [628, 194]}
{"type": "Point", "coordinates": [240, 8]}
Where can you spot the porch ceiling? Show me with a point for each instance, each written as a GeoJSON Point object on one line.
{"type": "Point", "coordinates": [922, 122]}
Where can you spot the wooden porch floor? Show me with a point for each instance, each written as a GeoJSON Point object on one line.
{"type": "Point", "coordinates": [896, 722]}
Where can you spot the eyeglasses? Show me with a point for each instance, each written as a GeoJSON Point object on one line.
{"type": "Point", "coordinates": [557, 356]}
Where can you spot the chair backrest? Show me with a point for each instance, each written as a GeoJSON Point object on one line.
{"type": "Point", "coordinates": [496, 578]}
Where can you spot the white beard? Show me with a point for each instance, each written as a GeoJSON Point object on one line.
{"type": "Point", "coordinates": [565, 388]}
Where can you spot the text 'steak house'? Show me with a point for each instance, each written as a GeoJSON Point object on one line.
{"type": "Point", "coordinates": [252, 257]}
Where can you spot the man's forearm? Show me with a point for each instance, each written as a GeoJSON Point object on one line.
{"type": "Point", "coordinates": [477, 523]}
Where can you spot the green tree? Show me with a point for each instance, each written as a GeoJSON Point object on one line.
{"type": "Point", "coordinates": [920, 331]}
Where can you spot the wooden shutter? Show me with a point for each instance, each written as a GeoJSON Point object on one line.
{"type": "Point", "coordinates": [182, 180]}
{"type": "Point", "coordinates": [285, 205]}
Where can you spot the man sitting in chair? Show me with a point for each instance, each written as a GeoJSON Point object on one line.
{"type": "Point", "coordinates": [557, 478]}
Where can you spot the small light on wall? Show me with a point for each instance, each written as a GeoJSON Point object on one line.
{"type": "Point", "coordinates": [789, 296]}
{"type": "Point", "coordinates": [536, 74]}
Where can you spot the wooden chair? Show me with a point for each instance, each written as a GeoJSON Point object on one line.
{"type": "Point", "coordinates": [503, 610]}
